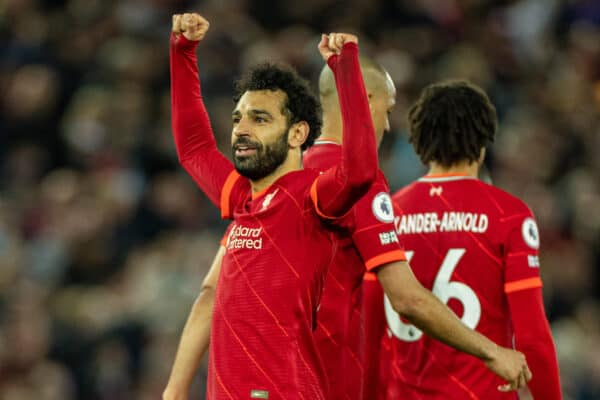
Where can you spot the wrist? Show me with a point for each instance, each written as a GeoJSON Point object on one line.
{"type": "Point", "coordinates": [181, 42]}
{"type": "Point", "coordinates": [332, 61]}
{"type": "Point", "coordinates": [350, 46]}
{"type": "Point", "coordinates": [489, 351]}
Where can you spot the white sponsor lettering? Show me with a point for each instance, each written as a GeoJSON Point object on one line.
{"type": "Point", "coordinates": [242, 237]}
{"type": "Point", "coordinates": [533, 261]}
{"type": "Point", "coordinates": [450, 221]}
{"type": "Point", "coordinates": [388, 237]}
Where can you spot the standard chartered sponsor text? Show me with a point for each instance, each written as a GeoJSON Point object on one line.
{"type": "Point", "coordinates": [450, 221]}
{"type": "Point", "coordinates": [242, 237]}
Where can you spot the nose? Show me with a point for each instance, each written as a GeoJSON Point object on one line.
{"type": "Point", "coordinates": [241, 128]}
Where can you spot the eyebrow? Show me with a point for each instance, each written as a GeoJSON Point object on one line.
{"type": "Point", "coordinates": [254, 113]}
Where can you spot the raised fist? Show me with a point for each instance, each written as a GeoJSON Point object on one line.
{"type": "Point", "coordinates": [332, 44]}
{"type": "Point", "coordinates": [191, 25]}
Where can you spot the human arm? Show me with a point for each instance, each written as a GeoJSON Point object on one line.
{"type": "Point", "coordinates": [194, 140]}
{"type": "Point", "coordinates": [411, 300]}
{"type": "Point", "coordinates": [523, 288]}
{"type": "Point", "coordinates": [195, 336]}
{"type": "Point", "coordinates": [534, 339]}
{"type": "Point", "coordinates": [336, 190]}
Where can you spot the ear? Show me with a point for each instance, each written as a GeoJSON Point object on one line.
{"type": "Point", "coordinates": [481, 156]}
{"type": "Point", "coordinates": [297, 134]}
{"type": "Point", "coordinates": [370, 97]}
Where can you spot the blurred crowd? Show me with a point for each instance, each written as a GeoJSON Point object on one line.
{"type": "Point", "coordinates": [104, 240]}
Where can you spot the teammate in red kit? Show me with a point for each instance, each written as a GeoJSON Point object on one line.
{"type": "Point", "coordinates": [369, 241]}
{"type": "Point", "coordinates": [279, 247]}
{"type": "Point", "coordinates": [476, 247]}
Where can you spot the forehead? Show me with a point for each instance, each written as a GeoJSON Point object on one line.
{"type": "Point", "coordinates": [267, 100]}
{"type": "Point", "coordinates": [389, 89]}
{"type": "Point", "coordinates": [381, 85]}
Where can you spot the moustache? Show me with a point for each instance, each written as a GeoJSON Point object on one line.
{"type": "Point", "coordinates": [245, 143]}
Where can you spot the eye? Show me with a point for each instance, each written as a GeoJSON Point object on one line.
{"type": "Point", "coordinates": [235, 120]}
{"type": "Point", "coordinates": [260, 120]}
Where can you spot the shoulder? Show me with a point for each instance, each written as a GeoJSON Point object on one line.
{"type": "Point", "coordinates": [516, 220]}
{"type": "Point", "coordinates": [401, 194]}
{"type": "Point", "coordinates": [509, 203]}
{"type": "Point", "coordinates": [300, 180]}
{"type": "Point", "coordinates": [378, 196]}
{"type": "Point", "coordinates": [322, 155]}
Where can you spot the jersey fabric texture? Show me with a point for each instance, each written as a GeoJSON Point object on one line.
{"type": "Point", "coordinates": [472, 245]}
{"type": "Point", "coordinates": [367, 241]}
{"type": "Point", "coordinates": [277, 254]}
{"type": "Point", "coordinates": [278, 248]}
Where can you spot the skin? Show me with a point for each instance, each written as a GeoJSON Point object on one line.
{"type": "Point", "coordinates": [407, 296]}
{"type": "Point", "coordinates": [258, 118]}
{"type": "Point", "coordinates": [380, 91]}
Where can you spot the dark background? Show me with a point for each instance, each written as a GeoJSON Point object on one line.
{"type": "Point", "coordinates": [104, 240]}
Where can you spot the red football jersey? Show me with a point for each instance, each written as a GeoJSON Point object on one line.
{"type": "Point", "coordinates": [368, 241]}
{"type": "Point", "coordinates": [374, 326]}
{"type": "Point", "coordinates": [471, 244]}
{"type": "Point", "coordinates": [272, 354]}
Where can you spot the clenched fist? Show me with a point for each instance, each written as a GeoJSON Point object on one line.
{"type": "Point", "coordinates": [191, 25]}
{"type": "Point", "coordinates": [332, 44]}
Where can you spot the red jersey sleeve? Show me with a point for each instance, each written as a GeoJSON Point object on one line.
{"type": "Point", "coordinates": [336, 190]}
{"type": "Point", "coordinates": [521, 253]}
{"type": "Point", "coordinates": [533, 337]}
{"type": "Point", "coordinates": [372, 228]}
{"type": "Point", "coordinates": [196, 147]}
{"type": "Point", "coordinates": [523, 287]}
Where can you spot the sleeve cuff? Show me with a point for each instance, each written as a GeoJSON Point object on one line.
{"type": "Point", "coordinates": [385, 258]}
{"type": "Point", "coordinates": [523, 284]}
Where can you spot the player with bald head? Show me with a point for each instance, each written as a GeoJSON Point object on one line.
{"type": "Point", "coordinates": [347, 334]}
{"type": "Point", "coordinates": [368, 257]}
{"type": "Point", "coordinates": [366, 325]}
{"type": "Point", "coordinates": [380, 90]}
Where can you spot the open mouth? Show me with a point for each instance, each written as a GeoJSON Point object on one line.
{"type": "Point", "coordinates": [245, 149]}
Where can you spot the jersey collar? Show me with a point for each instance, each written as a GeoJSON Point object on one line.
{"type": "Point", "coordinates": [444, 177]}
{"type": "Point", "coordinates": [325, 140]}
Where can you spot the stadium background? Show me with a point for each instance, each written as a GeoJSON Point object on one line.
{"type": "Point", "coordinates": [103, 238]}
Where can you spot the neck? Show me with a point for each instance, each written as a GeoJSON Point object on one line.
{"type": "Point", "coordinates": [332, 128]}
{"type": "Point", "coordinates": [462, 168]}
{"type": "Point", "coordinates": [293, 162]}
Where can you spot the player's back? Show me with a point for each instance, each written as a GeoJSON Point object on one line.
{"type": "Point", "coordinates": [454, 230]}
{"type": "Point", "coordinates": [340, 334]}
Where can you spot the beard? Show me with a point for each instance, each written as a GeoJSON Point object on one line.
{"type": "Point", "coordinates": [264, 161]}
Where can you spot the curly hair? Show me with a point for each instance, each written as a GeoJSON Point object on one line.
{"type": "Point", "coordinates": [450, 122]}
{"type": "Point", "coordinates": [301, 103]}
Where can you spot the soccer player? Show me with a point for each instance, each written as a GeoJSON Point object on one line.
{"type": "Point", "coordinates": [368, 242]}
{"type": "Point", "coordinates": [279, 246]}
{"type": "Point", "coordinates": [476, 247]}
{"type": "Point", "coordinates": [371, 243]}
